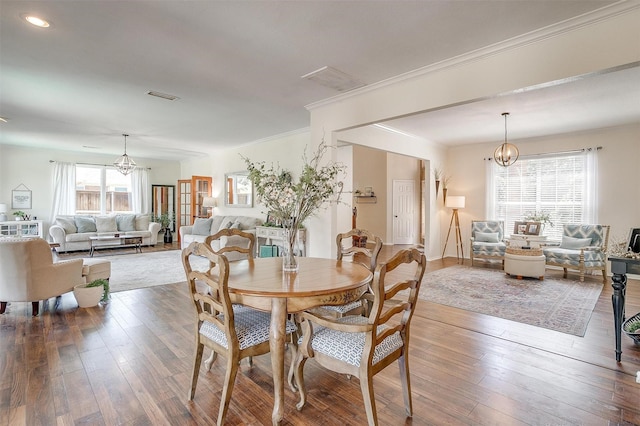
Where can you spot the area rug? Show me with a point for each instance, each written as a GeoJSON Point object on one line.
{"type": "Point", "coordinates": [131, 271]}
{"type": "Point", "coordinates": [558, 304]}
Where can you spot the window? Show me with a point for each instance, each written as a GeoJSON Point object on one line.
{"type": "Point", "coordinates": [102, 190]}
{"type": "Point", "coordinates": [559, 185]}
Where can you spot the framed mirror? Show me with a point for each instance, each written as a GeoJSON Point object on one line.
{"type": "Point", "coordinates": [238, 190]}
{"type": "Point", "coordinates": [163, 201]}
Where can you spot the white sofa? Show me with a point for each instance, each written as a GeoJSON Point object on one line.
{"type": "Point", "coordinates": [72, 232]}
{"type": "Point", "coordinates": [202, 228]}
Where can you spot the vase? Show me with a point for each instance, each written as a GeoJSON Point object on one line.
{"type": "Point", "coordinates": [289, 261]}
{"type": "Point", "coordinates": [88, 297]}
{"type": "Point", "coordinates": [168, 236]}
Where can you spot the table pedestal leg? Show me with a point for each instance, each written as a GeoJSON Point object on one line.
{"type": "Point", "coordinates": [619, 284]}
{"type": "Point", "coordinates": [276, 344]}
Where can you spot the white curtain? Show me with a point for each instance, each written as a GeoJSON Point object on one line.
{"type": "Point", "coordinates": [140, 191]}
{"type": "Point", "coordinates": [64, 190]}
{"type": "Point", "coordinates": [590, 198]}
{"type": "Point", "coordinates": [490, 203]}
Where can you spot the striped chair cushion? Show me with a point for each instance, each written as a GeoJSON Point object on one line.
{"type": "Point", "coordinates": [252, 327]}
{"type": "Point", "coordinates": [348, 347]}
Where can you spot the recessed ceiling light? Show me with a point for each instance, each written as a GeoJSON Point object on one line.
{"type": "Point", "coordinates": [34, 20]}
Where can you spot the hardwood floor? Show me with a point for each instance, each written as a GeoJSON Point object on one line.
{"type": "Point", "coordinates": [129, 363]}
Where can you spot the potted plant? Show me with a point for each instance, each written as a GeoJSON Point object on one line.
{"type": "Point", "coordinates": [165, 220]}
{"type": "Point", "coordinates": [19, 214]}
{"type": "Point", "coordinates": [89, 295]}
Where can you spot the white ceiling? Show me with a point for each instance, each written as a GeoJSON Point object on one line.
{"type": "Point", "coordinates": [236, 68]}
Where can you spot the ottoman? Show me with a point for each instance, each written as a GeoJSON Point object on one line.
{"type": "Point", "coordinates": [94, 269]}
{"type": "Point", "coordinates": [524, 263]}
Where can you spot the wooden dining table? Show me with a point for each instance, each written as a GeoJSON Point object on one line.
{"type": "Point", "coordinates": [261, 284]}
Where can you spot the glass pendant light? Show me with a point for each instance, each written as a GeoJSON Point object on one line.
{"type": "Point", "coordinates": [124, 164]}
{"type": "Point", "coordinates": [506, 154]}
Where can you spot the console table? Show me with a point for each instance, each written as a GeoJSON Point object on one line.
{"type": "Point", "coordinates": [21, 228]}
{"type": "Point", "coordinates": [620, 267]}
{"type": "Point", "coordinates": [269, 234]}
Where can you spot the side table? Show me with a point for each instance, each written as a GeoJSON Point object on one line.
{"type": "Point", "coordinates": [524, 262]}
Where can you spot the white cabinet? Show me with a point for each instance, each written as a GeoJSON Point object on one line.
{"type": "Point", "coordinates": [21, 228]}
{"type": "Point", "coordinates": [272, 235]}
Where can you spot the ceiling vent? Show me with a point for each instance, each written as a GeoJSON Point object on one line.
{"type": "Point", "coordinates": [162, 95]}
{"type": "Point", "coordinates": [334, 79]}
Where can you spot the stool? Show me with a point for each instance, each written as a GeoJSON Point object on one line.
{"type": "Point", "coordinates": [524, 265]}
{"type": "Point", "coordinates": [95, 269]}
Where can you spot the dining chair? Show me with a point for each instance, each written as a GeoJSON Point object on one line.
{"type": "Point", "coordinates": [363, 346]}
{"type": "Point", "coordinates": [234, 333]}
{"type": "Point", "coordinates": [348, 244]}
{"type": "Point", "coordinates": [235, 244]}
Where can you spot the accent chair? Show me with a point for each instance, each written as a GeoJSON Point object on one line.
{"type": "Point", "coordinates": [29, 274]}
{"type": "Point", "coordinates": [487, 240]}
{"type": "Point", "coordinates": [583, 247]}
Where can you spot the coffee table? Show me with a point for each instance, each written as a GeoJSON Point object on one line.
{"type": "Point", "coordinates": [111, 241]}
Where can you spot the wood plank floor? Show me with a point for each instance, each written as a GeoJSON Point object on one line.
{"type": "Point", "coordinates": [129, 364]}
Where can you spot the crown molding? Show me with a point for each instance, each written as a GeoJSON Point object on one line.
{"type": "Point", "coordinates": [550, 31]}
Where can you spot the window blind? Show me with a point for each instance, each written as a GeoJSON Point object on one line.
{"type": "Point", "coordinates": [553, 184]}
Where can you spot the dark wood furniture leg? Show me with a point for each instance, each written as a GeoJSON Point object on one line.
{"type": "Point", "coordinates": [3, 307]}
{"type": "Point", "coordinates": [35, 308]}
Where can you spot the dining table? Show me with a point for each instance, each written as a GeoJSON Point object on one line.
{"type": "Point", "coordinates": [261, 284]}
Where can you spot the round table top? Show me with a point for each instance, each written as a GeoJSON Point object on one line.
{"type": "Point", "coordinates": [316, 276]}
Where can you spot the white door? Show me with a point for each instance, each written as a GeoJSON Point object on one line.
{"type": "Point", "coordinates": [403, 211]}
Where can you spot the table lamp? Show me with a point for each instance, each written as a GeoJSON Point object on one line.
{"type": "Point", "coordinates": [209, 203]}
{"type": "Point", "coordinates": [3, 212]}
{"type": "Point", "coordinates": [455, 202]}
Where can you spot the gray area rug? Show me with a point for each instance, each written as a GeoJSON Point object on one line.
{"type": "Point", "coordinates": [131, 271]}
{"type": "Point", "coordinates": [558, 304]}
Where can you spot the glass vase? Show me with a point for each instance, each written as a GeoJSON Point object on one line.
{"type": "Point", "coordinates": [289, 261]}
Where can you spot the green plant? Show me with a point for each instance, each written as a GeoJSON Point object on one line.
{"type": "Point", "coordinates": [541, 216]}
{"type": "Point", "coordinates": [19, 213]}
{"type": "Point", "coordinates": [634, 327]}
{"type": "Point", "coordinates": [165, 219]}
{"type": "Point", "coordinates": [98, 283]}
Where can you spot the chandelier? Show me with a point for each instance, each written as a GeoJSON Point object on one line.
{"type": "Point", "coordinates": [124, 164]}
{"type": "Point", "coordinates": [506, 154]}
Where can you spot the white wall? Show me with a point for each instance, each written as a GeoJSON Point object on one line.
{"type": "Point", "coordinates": [584, 49]}
{"type": "Point", "coordinates": [618, 189]}
{"type": "Point", "coordinates": [31, 167]}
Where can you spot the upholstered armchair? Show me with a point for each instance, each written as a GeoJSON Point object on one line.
{"type": "Point", "coordinates": [28, 273]}
{"type": "Point", "coordinates": [583, 247]}
{"type": "Point", "coordinates": [487, 240]}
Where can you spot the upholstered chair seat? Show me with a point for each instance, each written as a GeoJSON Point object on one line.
{"type": "Point", "coordinates": [487, 240]}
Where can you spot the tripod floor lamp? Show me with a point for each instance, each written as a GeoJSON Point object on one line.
{"type": "Point", "coordinates": [455, 202]}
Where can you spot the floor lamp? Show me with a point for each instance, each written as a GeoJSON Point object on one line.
{"type": "Point", "coordinates": [455, 202]}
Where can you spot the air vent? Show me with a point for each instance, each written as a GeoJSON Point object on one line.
{"type": "Point", "coordinates": [162, 95]}
{"type": "Point", "coordinates": [334, 79]}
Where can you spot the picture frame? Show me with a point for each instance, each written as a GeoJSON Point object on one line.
{"type": "Point", "coordinates": [520, 228]}
{"type": "Point", "coordinates": [633, 244]}
{"type": "Point", "coordinates": [21, 199]}
{"type": "Point", "coordinates": [533, 228]}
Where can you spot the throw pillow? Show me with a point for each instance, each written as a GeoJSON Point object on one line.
{"type": "Point", "coordinates": [142, 222]}
{"type": "Point", "coordinates": [201, 226]}
{"type": "Point", "coordinates": [67, 224]}
{"type": "Point", "coordinates": [106, 224]}
{"type": "Point", "coordinates": [487, 237]}
{"type": "Point", "coordinates": [126, 222]}
{"type": "Point", "coordinates": [574, 243]}
{"type": "Point", "coordinates": [235, 225]}
{"type": "Point", "coordinates": [85, 224]}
